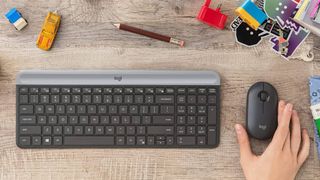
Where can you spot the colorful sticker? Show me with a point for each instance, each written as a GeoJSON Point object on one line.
{"type": "Point", "coordinates": [287, 35]}
{"type": "Point", "coordinates": [246, 35]}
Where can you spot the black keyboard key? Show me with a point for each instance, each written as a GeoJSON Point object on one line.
{"type": "Point", "coordinates": [52, 120]}
{"type": "Point", "coordinates": [166, 109]}
{"type": "Point", "coordinates": [46, 130]}
{"type": "Point", "coordinates": [44, 99]}
{"type": "Point", "coordinates": [67, 130]}
{"type": "Point", "coordinates": [78, 130]}
{"type": "Point", "coordinates": [169, 140]}
{"type": "Point", "coordinates": [150, 140]}
{"type": "Point", "coordinates": [27, 119]}
{"type": "Point", "coordinates": [46, 140]}
{"type": "Point", "coordinates": [212, 99]}
{"type": "Point", "coordinates": [34, 99]}
{"type": "Point", "coordinates": [212, 115]}
{"type": "Point", "coordinates": [131, 140]}
{"type": "Point", "coordinates": [186, 140]}
{"type": "Point", "coordinates": [71, 109]}
{"type": "Point", "coordinates": [212, 135]}
{"type": "Point", "coordinates": [115, 120]}
{"type": "Point", "coordinates": [212, 90]}
{"type": "Point", "coordinates": [24, 99]}
{"type": "Point", "coordinates": [76, 99]}
{"type": "Point", "coordinates": [55, 99]}
{"type": "Point", "coordinates": [160, 130]}
{"type": "Point", "coordinates": [202, 99]}
{"type": "Point", "coordinates": [34, 90]}
{"type": "Point", "coordinates": [165, 99]}
{"type": "Point", "coordinates": [44, 90]}
{"type": "Point", "coordinates": [120, 130]}
{"type": "Point", "coordinates": [163, 120]}
{"type": "Point", "coordinates": [49, 109]}
{"type": "Point", "coordinates": [57, 140]}
{"type": "Point", "coordinates": [181, 130]}
{"type": "Point", "coordinates": [24, 140]}
{"type": "Point", "coordinates": [131, 130]}
{"type": "Point", "coordinates": [141, 140]}
{"type": "Point", "coordinates": [81, 109]}
{"type": "Point", "coordinates": [141, 130]}
{"type": "Point", "coordinates": [201, 130]}
{"type": "Point", "coordinates": [29, 130]}
{"type": "Point", "coordinates": [39, 109]}
{"type": "Point", "coordinates": [42, 119]}
{"type": "Point", "coordinates": [65, 90]}
{"type": "Point", "coordinates": [63, 120]}
{"type": "Point", "coordinates": [36, 140]}
{"type": "Point", "coordinates": [181, 90]}
{"type": "Point", "coordinates": [23, 90]}
{"type": "Point", "coordinates": [76, 90]}
{"type": "Point", "coordinates": [191, 130]}
{"type": "Point", "coordinates": [57, 130]}
{"type": "Point", "coordinates": [88, 140]}
{"type": "Point", "coordinates": [88, 130]}
{"type": "Point", "coordinates": [113, 110]}
{"type": "Point", "coordinates": [73, 119]}
{"type": "Point", "coordinates": [84, 120]}
{"type": "Point", "coordinates": [65, 99]}
{"type": "Point", "coordinates": [149, 90]}
{"type": "Point", "coordinates": [138, 99]}
{"type": "Point", "coordinates": [201, 140]}
{"type": "Point", "coordinates": [181, 99]}
{"type": "Point", "coordinates": [109, 130]}
{"type": "Point", "coordinates": [60, 109]}
{"type": "Point", "coordinates": [26, 109]}
{"type": "Point", "coordinates": [191, 99]}
{"type": "Point", "coordinates": [202, 91]}
{"type": "Point", "coordinates": [99, 130]}
{"type": "Point", "coordinates": [120, 140]}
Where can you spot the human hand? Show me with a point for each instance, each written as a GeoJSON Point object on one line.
{"type": "Point", "coordinates": [285, 154]}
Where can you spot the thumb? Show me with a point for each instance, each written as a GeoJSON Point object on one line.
{"type": "Point", "coordinates": [244, 144]}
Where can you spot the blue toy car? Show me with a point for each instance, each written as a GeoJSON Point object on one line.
{"type": "Point", "coordinates": [16, 19]}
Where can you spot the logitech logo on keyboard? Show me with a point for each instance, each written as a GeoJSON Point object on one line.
{"type": "Point", "coordinates": [117, 78]}
{"type": "Point", "coordinates": [263, 127]}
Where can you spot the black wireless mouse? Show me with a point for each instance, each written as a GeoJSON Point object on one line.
{"type": "Point", "coordinates": [262, 110]}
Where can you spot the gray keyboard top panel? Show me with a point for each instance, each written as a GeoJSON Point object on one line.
{"type": "Point", "coordinates": [116, 77]}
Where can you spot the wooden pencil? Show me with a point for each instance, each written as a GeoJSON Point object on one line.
{"type": "Point", "coordinates": [150, 34]}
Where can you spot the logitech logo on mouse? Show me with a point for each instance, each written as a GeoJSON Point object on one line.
{"type": "Point", "coordinates": [263, 127]}
{"type": "Point", "coordinates": [117, 78]}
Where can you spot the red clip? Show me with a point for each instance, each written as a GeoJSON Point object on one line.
{"type": "Point", "coordinates": [212, 17]}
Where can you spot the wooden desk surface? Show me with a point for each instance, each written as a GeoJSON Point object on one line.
{"type": "Point", "coordinates": [88, 40]}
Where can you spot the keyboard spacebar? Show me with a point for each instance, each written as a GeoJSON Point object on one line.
{"type": "Point", "coordinates": [88, 140]}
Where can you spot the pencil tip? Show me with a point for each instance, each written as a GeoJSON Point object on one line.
{"type": "Point", "coordinates": [117, 25]}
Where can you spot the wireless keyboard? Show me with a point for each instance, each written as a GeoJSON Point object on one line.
{"type": "Point", "coordinates": [130, 109]}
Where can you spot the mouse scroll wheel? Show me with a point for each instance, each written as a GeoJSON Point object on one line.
{"type": "Point", "coordinates": [263, 96]}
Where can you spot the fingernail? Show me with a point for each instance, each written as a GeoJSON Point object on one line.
{"type": "Point", "coordinates": [238, 128]}
{"type": "Point", "coordinates": [289, 107]}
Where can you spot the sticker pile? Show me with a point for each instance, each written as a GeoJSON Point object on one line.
{"type": "Point", "coordinates": [273, 19]}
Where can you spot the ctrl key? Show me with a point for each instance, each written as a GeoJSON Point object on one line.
{"type": "Point", "coordinates": [24, 141]}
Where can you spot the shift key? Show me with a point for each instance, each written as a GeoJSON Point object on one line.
{"type": "Point", "coordinates": [212, 115]}
{"type": "Point", "coordinates": [30, 130]}
{"type": "Point", "coordinates": [160, 130]}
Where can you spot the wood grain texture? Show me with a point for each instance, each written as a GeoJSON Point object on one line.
{"type": "Point", "coordinates": [88, 40]}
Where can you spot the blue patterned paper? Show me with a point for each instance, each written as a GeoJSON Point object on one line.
{"type": "Point", "coordinates": [314, 84]}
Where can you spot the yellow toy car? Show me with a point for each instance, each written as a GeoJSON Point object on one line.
{"type": "Point", "coordinates": [49, 31]}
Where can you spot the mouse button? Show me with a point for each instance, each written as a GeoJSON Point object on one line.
{"type": "Point", "coordinates": [264, 96]}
